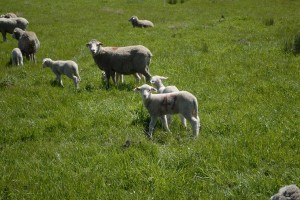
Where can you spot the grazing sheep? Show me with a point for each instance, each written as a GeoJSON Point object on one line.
{"type": "Point", "coordinates": [9, 15]}
{"type": "Point", "coordinates": [140, 23]}
{"type": "Point", "coordinates": [8, 25]}
{"type": "Point", "coordinates": [27, 42]}
{"type": "Point", "coordinates": [159, 105]}
{"type": "Point", "coordinates": [17, 58]}
{"type": "Point", "coordinates": [123, 60]}
{"type": "Point", "coordinates": [59, 67]}
{"type": "Point", "coordinates": [289, 192]}
{"type": "Point", "coordinates": [157, 82]}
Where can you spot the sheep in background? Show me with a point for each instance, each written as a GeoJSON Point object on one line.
{"type": "Point", "coordinates": [27, 42]}
{"type": "Point", "coordinates": [59, 67]}
{"type": "Point", "coordinates": [159, 105]}
{"type": "Point", "coordinates": [157, 82]}
{"type": "Point", "coordinates": [9, 15]}
{"type": "Point", "coordinates": [8, 25]}
{"type": "Point", "coordinates": [289, 192]}
{"type": "Point", "coordinates": [140, 23]}
{"type": "Point", "coordinates": [122, 60]}
{"type": "Point", "coordinates": [17, 58]}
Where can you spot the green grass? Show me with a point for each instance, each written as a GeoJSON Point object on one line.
{"type": "Point", "coordinates": [59, 143]}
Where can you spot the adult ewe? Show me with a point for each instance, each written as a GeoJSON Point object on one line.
{"type": "Point", "coordinates": [140, 23]}
{"type": "Point", "coordinates": [160, 105]}
{"type": "Point", "coordinates": [289, 192]}
{"type": "Point", "coordinates": [27, 42]}
{"type": "Point", "coordinates": [67, 67]}
{"type": "Point", "coordinates": [16, 56]}
{"type": "Point", "coordinates": [8, 25]}
{"type": "Point", "coordinates": [157, 82]}
{"type": "Point", "coordinates": [122, 60]}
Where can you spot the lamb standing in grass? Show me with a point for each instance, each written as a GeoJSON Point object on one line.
{"type": "Point", "coordinates": [17, 58]}
{"type": "Point", "coordinates": [8, 25]}
{"type": "Point", "coordinates": [122, 60]}
{"type": "Point", "coordinates": [140, 23]}
{"type": "Point", "coordinates": [157, 82]}
{"type": "Point", "coordinates": [27, 42]}
{"type": "Point", "coordinates": [289, 192]}
{"type": "Point", "coordinates": [59, 67]}
{"type": "Point", "coordinates": [159, 105]}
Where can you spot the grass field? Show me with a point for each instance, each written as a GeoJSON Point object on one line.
{"type": "Point", "coordinates": [62, 143]}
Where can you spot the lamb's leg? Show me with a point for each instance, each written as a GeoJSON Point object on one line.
{"type": "Point", "coordinates": [152, 125]}
{"type": "Point", "coordinates": [59, 80]}
{"type": "Point", "coordinates": [76, 81]}
{"type": "Point", "coordinates": [195, 122]}
{"type": "Point", "coordinates": [183, 120]}
{"type": "Point", "coordinates": [165, 122]}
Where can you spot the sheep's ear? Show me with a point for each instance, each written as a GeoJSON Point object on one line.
{"type": "Point", "coordinates": [163, 78]}
{"type": "Point", "coordinates": [87, 44]}
{"type": "Point", "coordinates": [99, 43]}
{"type": "Point", "coordinates": [153, 89]}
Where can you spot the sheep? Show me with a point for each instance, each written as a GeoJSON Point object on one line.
{"type": "Point", "coordinates": [27, 42]}
{"type": "Point", "coordinates": [9, 15]}
{"type": "Point", "coordinates": [159, 105]}
{"type": "Point", "coordinates": [7, 25]}
{"type": "Point", "coordinates": [123, 60]}
{"type": "Point", "coordinates": [59, 67]}
{"type": "Point", "coordinates": [157, 82]}
{"type": "Point", "coordinates": [17, 58]}
{"type": "Point", "coordinates": [289, 192]}
{"type": "Point", "coordinates": [140, 23]}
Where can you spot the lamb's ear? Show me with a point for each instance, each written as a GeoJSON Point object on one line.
{"type": "Point", "coordinates": [153, 89]}
{"type": "Point", "coordinates": [137, 89]}
{"type": "Point", "coordinates": [99, 44]}
{"type": "Point", "coordinates": [87, 44]}
{"type": "Point", "coordinates": [163, 78]}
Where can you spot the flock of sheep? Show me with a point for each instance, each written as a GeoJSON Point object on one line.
{"type": "Point", "coordinates": [115, 62]}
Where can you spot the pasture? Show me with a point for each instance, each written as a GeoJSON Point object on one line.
{"type": "Point", "coordinates": [62, 143]}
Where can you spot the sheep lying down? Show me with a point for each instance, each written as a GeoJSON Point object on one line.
{"type": "Point", "coordinates": [67, 67]}
{"type": "Point", "coordinates": [159, 105]}
{"type": "Point", "coordinates": [289, 192]}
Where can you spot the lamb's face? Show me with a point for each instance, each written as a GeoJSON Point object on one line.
{"type": "Point", "coordinates": [45, 62]}
{"type": "Point", "coordinates": [94, 46]}
{"type": "Point", "coordinates": [17, 33]}
{"type": "Point", "coordinates": [157, 79]}
{"type": "Point", "coordinates": [145, 90]}
{"type": "Point", "coordinates": [133, 18]}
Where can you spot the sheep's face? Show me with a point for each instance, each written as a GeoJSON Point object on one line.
{"type": "Point", "coordinates": [17, 33]}
{"type": "Point", "coordinates": [133, 18]}
{"type": "Point", "coordinates": [157, 79]}
{"type": "Point", "coordinates": [145, 90]}
{"type": "Point", "coordinates": [94, 46]}
{"type": "Point", "coordinates": [45, 62]}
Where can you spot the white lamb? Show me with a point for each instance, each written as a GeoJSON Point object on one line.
{"type": "Point", "coordinates": [16, 56]}
{"type": "Point", "coordinates": [157, 82]}
{"type": "Point", "coordinates": [159, 105]}
{"type": "Point", "coordinates": [59, 67]}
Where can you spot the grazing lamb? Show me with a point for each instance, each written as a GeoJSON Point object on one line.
{"type": "Point", "coordinates": [27, 42]}
{"type": "Point", "coordinates": [140, 23]}
{"type": "Point", "coordinates": [122, 60]}
{"type": "Point", "coordinates": [159, 105]}
{"type": "Point", "coordinates": [8, 25]}
{"type": "Point", "coordinates": [17, 58]}
{"type": "Point", "coordinates": [9, 15]}
{"type": "Point", "coordinates": [157, 82]}
{"type": "Point", "coordinates": [59, 67]}
{"type": "Point", "coordinates": [289, 192]}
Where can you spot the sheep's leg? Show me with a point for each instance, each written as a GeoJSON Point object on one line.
{"type": "Point", "coordinates": [137, 78]}
{"type": "Point", "coordinates": [152, 125]}
{"type": "Point", "coordinates": [107, 79]}
{"type": "Point", "coordinates": [183, 120]}
{"type": "Point", "coordinates": [4, 36]}
{"type": "Point", "coordinates": [119, 77]}
{"type": "Point", "coordinates": [165, 122]}
{"type": "Point", "coordinates": [169, 119]}
{"type": "Point", "coordinates": [195, 122]}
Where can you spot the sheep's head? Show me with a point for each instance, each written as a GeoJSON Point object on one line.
{"type": "Point", "coordinates": [94, 46]}
{"type": "Point", "coordinates": [17, 33]}
{"type": "Point", "coordinates": [156, 80]}
{"type": "Point", "coordinates": [22, 23]}
{"type": "Point", "coordinates": [133, 18]}
{"type": "Point", "coordinates": [145, 90]}
{"type": "Point", "coordinates": [46, 62]}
